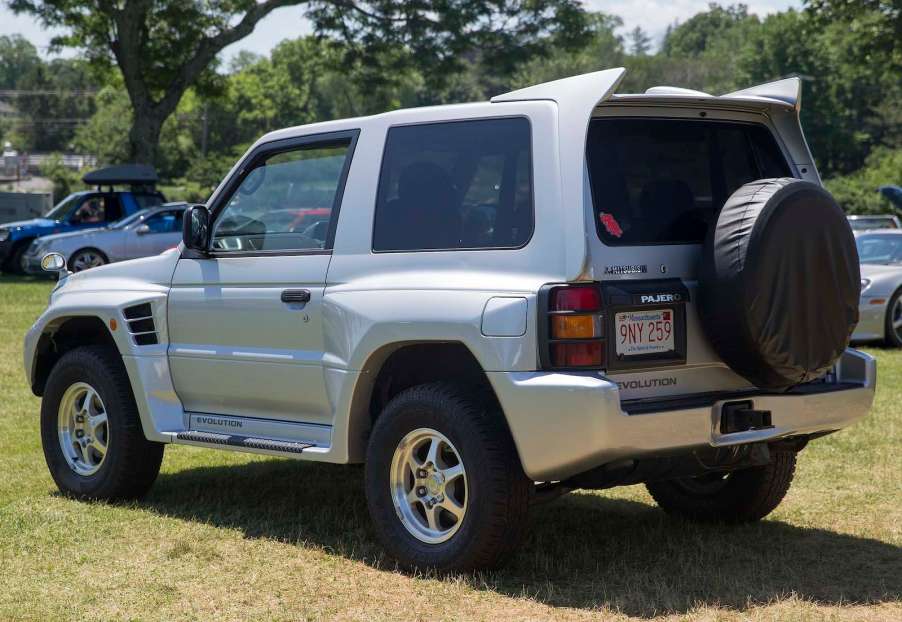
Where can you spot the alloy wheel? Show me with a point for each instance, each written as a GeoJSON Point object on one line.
{"type": "Point", "coordinates": [428, 484]}
{"type": "Point", "coordinates": [83, 429]}
{"type": "Point", "coordinates": [86, 260]}
{"type": "Point", "coordinates": [896, 318]}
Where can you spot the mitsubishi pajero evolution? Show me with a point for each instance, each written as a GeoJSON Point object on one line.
{"type": "Point", "coordinates": [561, 288]}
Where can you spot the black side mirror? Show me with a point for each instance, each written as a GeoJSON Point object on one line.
{"type": "Point", "coordinates": [196, 228]}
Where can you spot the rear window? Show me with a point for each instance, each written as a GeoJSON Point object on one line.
{"type": "Point", "coordinates": [662, 181]}
{"type": "Point", "coordinates": [861, 224]}
{"type": "Point", "coordinates": [456, 185]}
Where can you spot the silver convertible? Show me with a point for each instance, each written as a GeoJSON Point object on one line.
{"type": "Point", "coordinates": [881, 287]}
{"type": "Point", "coordinates": [145, 233]}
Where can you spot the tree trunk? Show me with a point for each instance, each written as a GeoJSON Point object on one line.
{"type": "Point", "coordinates": [144, 137]}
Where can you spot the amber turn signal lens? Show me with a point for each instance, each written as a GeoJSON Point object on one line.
{"type": "Point", "coordinates": [573, 327]}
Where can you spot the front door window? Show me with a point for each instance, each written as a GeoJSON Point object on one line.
{"type": "Point", "coordinates": [285, 202]}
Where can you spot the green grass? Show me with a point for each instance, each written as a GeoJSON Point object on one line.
{"type": "Point", "coordinates": [231, 537]}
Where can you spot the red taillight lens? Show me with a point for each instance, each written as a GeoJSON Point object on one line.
{"type": "Point", "coordinates": [589, 354]}
{"type": "Point", "coordinates": [575, 329]}
{"type": "Point", "coordinates": [576, 298]}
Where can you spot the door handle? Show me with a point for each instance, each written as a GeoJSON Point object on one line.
{"type": "Point", "coordinates": [295, 295]}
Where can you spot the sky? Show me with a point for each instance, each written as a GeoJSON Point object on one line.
{"type": "Point", "coordinates": [288, 23]}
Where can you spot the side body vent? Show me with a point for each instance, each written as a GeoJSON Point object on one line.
{"type": "Point", "coordinates": [140, 324]}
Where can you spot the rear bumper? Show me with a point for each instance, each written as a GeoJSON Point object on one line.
{"type": "Point", "coordinates": [564, 424]}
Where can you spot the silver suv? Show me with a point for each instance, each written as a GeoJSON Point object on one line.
{"type": "Point", "coordinates": [489, 305]}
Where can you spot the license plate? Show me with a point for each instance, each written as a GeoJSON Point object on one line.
{"type": "Point", "coordinates": [643, 332]}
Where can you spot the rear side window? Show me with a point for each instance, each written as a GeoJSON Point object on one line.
{"type": "Point", "coordinates": [148, 200]}
{"type": "Point", "coordinates": [663, 181]}
{"type": "Point", "coordinates": [458, 185]}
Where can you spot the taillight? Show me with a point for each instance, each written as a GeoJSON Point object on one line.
{"type": "Point", "coordinates": [575, 330]}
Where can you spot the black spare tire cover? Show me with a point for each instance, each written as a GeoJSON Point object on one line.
{"type": "Point", "coordinates": [780, 282]}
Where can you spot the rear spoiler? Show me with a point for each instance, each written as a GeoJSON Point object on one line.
{"type": "Point", "coordinates": [787, 90]}
{"type": "Point", "coordinates": [582, 93]}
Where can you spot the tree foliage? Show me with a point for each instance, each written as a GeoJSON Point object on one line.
{"type": "Point", "coordinates": [164, 47]}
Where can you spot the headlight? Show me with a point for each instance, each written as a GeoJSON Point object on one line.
{"type": "Point", "coordinates": [865, 283]}
{"type": "Point", "coordinates": [4, 235]}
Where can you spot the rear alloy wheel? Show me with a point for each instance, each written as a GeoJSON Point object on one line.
{"type": "Point", "coordinates": [894, 321]}
{"type": "Point", "coordinates": [86, 259]}
{"type": "Point", "coordinates": [444, 484]}
{"type": "Point", "coordinates": [429, 485]}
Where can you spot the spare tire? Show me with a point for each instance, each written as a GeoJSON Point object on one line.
{"type": "Point", "coordinates": [780, 282]}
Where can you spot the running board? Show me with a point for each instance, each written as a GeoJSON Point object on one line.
{"type": "Point", "coordinates": [244, 442]}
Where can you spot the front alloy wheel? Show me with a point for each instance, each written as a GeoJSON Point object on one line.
{"type": "Point", "coordinates": [429, 485]}
{"type": "Point", "coordinates": [83, 429]}
{"type": "Point", "coordinates": [91, 431]}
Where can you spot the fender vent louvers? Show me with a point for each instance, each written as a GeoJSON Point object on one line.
{"type": "Point", "coordinates": [141, 325]}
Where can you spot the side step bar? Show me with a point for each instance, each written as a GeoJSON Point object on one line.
{"type": "Point", "coordinates": [245, 442]}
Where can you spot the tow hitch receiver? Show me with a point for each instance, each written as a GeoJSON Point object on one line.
{"type": "Point", "coordinates": [741, 417]}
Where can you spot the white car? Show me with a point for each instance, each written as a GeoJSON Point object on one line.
{"type": "Point", "coordinates": [560, 288]}
{"type": "Point", "coordinates": [148, 232]}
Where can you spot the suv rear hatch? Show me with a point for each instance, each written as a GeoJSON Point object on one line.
{"type": "Point", "coordinates": [658, 175]}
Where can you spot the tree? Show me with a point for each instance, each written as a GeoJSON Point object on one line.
{"type": "Point", "coordinates": [640, 43]}
{"type": "Point", "coordinates": [163, 47]}
{"type": "Point", "coordinates": [18, 57]}
{"type": "Point", "coordinates": [603, 49]}
{"type": "Point", "coordinates": [698, 33]}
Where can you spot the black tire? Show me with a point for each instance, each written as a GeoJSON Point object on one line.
{"type": "Point", "coordinates": [743, 496]}
{"type": "Point", "coordinates": [73, 259]}
{"type": "Point", "coordinates": [893, 336]}
{"type": "Point", "coordinates": [13, 263]}
{"type": "Point", "coordinates": [132, 462]}
{"type": "Point", "coordinates": [498, 497]}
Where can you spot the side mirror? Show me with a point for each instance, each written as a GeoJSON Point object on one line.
{"type": "Point", "coordinates": [196, 228]}
{"type": "Point", "coordinates": [53, 262]}
{"type": "Point", "coordinates": [142, 230]}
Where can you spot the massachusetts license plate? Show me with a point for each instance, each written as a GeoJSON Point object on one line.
{"type": "Point", "coordinates": [643, 332]}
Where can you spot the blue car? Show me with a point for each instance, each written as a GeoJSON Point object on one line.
{"type": "Point", "coordinates": [83, 210]}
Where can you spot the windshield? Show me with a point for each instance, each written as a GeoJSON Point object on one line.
{"type": "Point", "coordinates": [883, 249]}
{"type": "Point", "coordinates": [860, 224]}
{"type": "Point", "coordinates": [62, 208]}
{"type": "Point", "coordinates": [128, 220]}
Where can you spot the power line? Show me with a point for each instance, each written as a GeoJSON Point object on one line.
{"type": "Point", "coordinates": [45, 92]}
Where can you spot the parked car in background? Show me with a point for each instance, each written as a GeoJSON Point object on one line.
{"type": "Point", "coordinates": [876, 221]}
{"type": "Point", "coordinates": [880, 253]}
{"type": "Point", "coordinates": [83, 210]}
{"type": "Point", "coordinates": [148, 232]}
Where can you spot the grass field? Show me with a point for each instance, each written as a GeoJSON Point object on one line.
{"type": "Point", "coordinates": [230, 536]}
